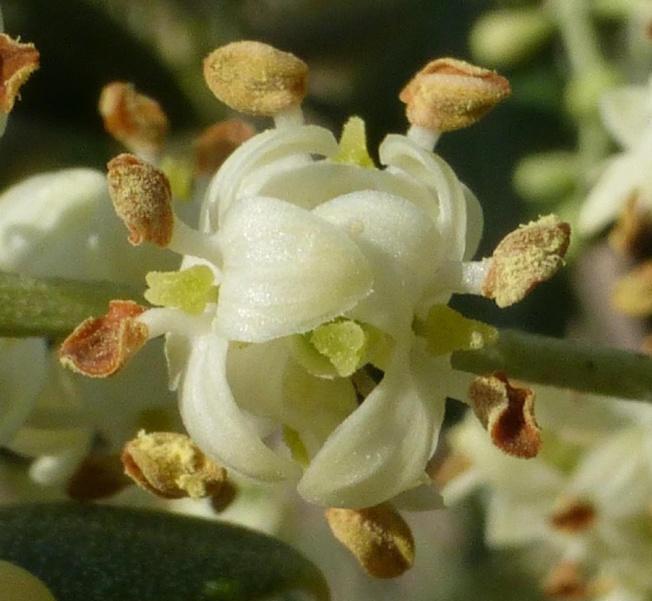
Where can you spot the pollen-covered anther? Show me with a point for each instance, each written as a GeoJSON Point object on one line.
{"type": "Point", "coordinates": [217, 142]}
{"type": "Point", "coordinates": [100, 346]}
{"type": "Point", "coordinates": [17, 62]}
{"type": "Point", "coordinates": [529, 255]}
{"type": "Point", "coordinates": [142, 199]}
{"type": "Point", "coordinates": [633, 292]}
{"type": "Point", "coordinates": [135, 120]}
{"type": "Point", "coordinates": [573, 516]}
{"type": "Point", "coordinates": [171, 466]}
{"type": "Point", "coordinates": [507, 413]}
{"type": "Point", "coordinates": [378, 537]}
{"type": "Point", "coordinates": [449, 94]}
{"type": "Point", "coordinates": [255, 78]}
{"type": "Point", "coordinates": [566, 581]}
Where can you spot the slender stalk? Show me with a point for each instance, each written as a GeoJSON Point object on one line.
{"type": "Point", "coordinates": [52, 307]}
{"type": "Point", "coordinates": [564, 364]}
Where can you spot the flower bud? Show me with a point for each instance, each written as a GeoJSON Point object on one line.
{"type": "Point", "coordinates": [546, 177]}
{"type": "Point", "coordinates": [256, 78]}
{"type": "Point", "coordinates": [449, 94]}
{"type": "Point", "coordinates": [18, 62]}
{"type": "Point", "coordinates": [171, 466]}
{"type": "Point", "coordinates": [584, 91]}
{"type": "Point", "coordinates": [377, 536]}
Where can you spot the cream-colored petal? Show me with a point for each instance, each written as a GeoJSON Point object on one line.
{"type": "Point", "coordinates": [626, 113]}
{"type": "Point", "coordinates": [285, 271]}
{"type": "Point", "coordinates": [215, 422]}
{"type": "Point", "coordinates": [474, 223]}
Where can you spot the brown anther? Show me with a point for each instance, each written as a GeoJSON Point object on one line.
{"type": "Point", "coordinates": [378, 537]}
{"type": "Point", "coordinates": [256, 78]}
{"type": "Point", "coordinates": [507, 413]}
{"type": "Point", "coordinates": [529, 255]}
{"type": "Point", "coordinates": [224, 497]}
{"type": "Point", "coordinates": [573, 516]}
{"type": "Point", "coordinates": [633, 292]}
{"type": "Point", "coordinates": [98, 477]}
{"type": "Point", "coordinates": [99, 346]}
{"type": "Point", "coordinates": [135, 120]}
{"type": "Point", "coordinates": [17, 62]}
{"type": "Point", "coordinates": [566, 581]}
{"type": "Point", "coordinates": [449, 94]}
{"type": "Point", "coordinates": [632, 234]}
{"type": "Point", "coordinates": [171, 466]}
{"type": "Point", "coordinates": [142, 198]}
{"type": "Point", "coordinates": [217, 142]}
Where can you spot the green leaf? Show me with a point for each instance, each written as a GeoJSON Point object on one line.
{"type": "Point", "coordinates": [98, 553]}
{"type": "Point", "coordinates": [52, 307]}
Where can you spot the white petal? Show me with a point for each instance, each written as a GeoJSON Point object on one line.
{"type": "Point", "coordinates": [626, 114]}
{"type": "Point", "coordinates": [216, 423]}
{"type": "Point", "coordinates": [474, 223]}
{"type": "Point", "coordinates": [424, 497]}
{"type": "Point", "coordinates": [402, 246]}
{"type": "Point", "coordinates": [383, 447]}
{"type": "Point", "coordinates": [515, 521]}
{"type": "Point", "coordinates": [610, 193]}
{"type": "Point", "coordinates": [285, 271]}
{"type": "Point", "coordinates": [23, 369]}
{"type": "Point", "coordinates": [450, 213]}
{"type": "Point", "coordinates": [255, 153]}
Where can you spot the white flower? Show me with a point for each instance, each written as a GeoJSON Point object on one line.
{"type": "Point", "coordinates": [627, 115]}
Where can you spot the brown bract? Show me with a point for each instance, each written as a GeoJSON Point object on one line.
{"type": "Point", "coordinates": [378, 537]}
{"type": "Point", "coordinates": [573, 516]}
{"type": "Point", "coordinates": [100, 346]}
{"type": "Point", "coordinates": [134, 119]}
{"type": "Point", "coordinates": [142, 198]}
{"type": "Point", "coordinates": [217, 142]}
{"type": "Point", "coordinates": [17, 62]}
{"type": "Point", "coordinates": [171, 466]}
{"type": "Point", "coordinates": [566, 581]}
{"type": "Point", "coordinates": [449, 94]}
{"type": "Point", "coordinates": [507, 413]}
{"type": "Point", "coordinates": [255, 78]}
{"type": "Point", "coordinates": [529, 255]}
{"type": "Point", "coordinates": [633, 292]}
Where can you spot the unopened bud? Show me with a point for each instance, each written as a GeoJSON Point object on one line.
{"type": "Point", "coordinates": [142, 198]}
{"type": "Point", "coordinates": [256, 78]}
{"type": "Point", "coordinates": [529, 255]}
{"type": "Point", "coordinates": [378, 537]}
{"type": "Point", "coordinates": [171, 466]}
{"type": "Point", "coordinates": [217, 142]}
{"type": "Point", "coordinates": [546, 177]}
{"type": "Point", "coordinates": [507, 413]}
{"type": "Point", "coordinates": [100, 346]}
{"type": "Point", "coordinates": [17, 61]}
{"type": "Point", "coordinates": [134, 119]}
{"type": "Point", "coordinates": [449, 94]}
{"type": "Point", "coordinates": [584, 91]}
{"type": "Point", "coordinates": [633, 292]}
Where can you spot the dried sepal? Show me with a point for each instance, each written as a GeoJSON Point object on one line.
{"type": "Point", "coordinates": [633, 292]}
{"type": "Point", "coordinates": [171, 466]}
{"type": "Point", "coordinates": [142, 198]}
{"type": "Point", "coordinates": [98, 477]}
{"type": "Point", "coordinates": [507, 413]}
{"type": "Point", "coordinates": [378, 537]}
{"type": "Point", "coordinates": [529, 255]}
{"type": "Point", "coordinates": [632, 233]}
{"type": "Point", "coordinates": [217, 142]}
{"type": "Point", "coordinates": [449, 94]}
{"type": "Point", "coordinates": [566, 581]}
{"type": "Point", "coordinates": [135, 120]}
{"type": "Point", "coordinates": [100, 346]}
{"type": "Point", "coordinates": [255, 78]}
{"type": "Point", "coordinates": [17, 62]}
{"type": "Point", "coordinates": [573, 516]}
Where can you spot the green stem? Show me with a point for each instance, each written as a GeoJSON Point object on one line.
{"type": "Point", "coordinates": [53, 307]}
{"type": "Point", "coordinates": [564, 364]}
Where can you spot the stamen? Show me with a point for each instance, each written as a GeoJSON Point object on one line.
{"type": "Point", "coordinates": [424, 137]}
{"type": "Point", "coordinates": [256, 78]}
{"type": "Point", "coordinates": [217, 142]}
{"type": "Point", "coordinates": [17, 62]}
{"type": "Point", "coordinates": [100, 346]}
{"type": "Point", "coordinates": [566, 581]}
{"type": "Point", "coordinates": [171, 466]}
{"type": "Point", "coordinates": [507, 413]}
{"type": "Point", "coordinates": [378, 537]}
{"type": "Point", "coordinates": [449, 94]}
{"type": "Point", "coordinates": [573, 516]}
